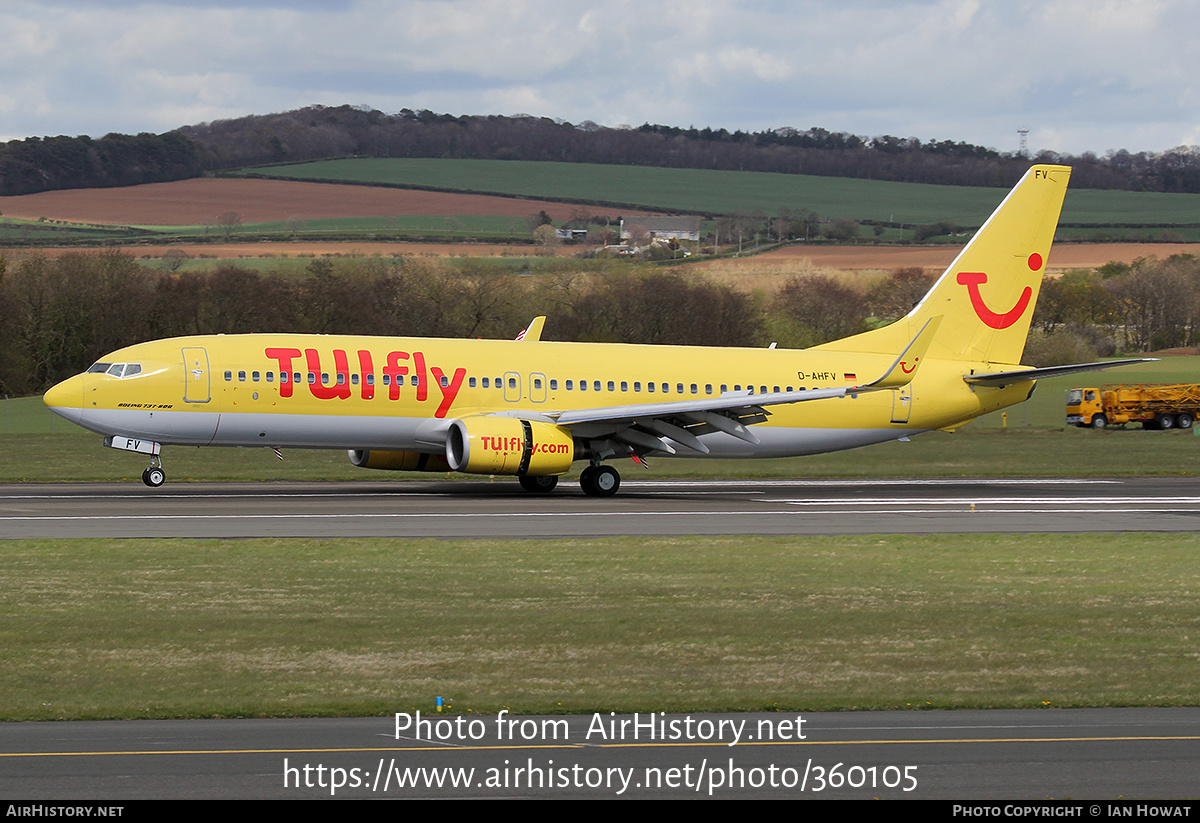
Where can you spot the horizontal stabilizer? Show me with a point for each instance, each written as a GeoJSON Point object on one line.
{"type": "Point", "coordinates": [1006, 378]}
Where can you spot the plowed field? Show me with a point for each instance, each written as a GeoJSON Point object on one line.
{"type": "Point", "coordinates": [199, 201]}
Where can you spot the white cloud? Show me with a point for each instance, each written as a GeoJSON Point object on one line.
{"type": "Point", "coordinates": [1080, 74]}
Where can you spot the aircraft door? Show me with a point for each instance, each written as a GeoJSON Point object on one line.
{"type": "Point", "coordinates": [901, 404]}
{"type": "Point", "coordinates": [537, 387]}
{"type": "Point", "coordinates": [512, 387]}
{"type": "Point", "coordinates": [196, 383]}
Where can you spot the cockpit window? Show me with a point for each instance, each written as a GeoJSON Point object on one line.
{"type": "Point", "coordinates": [116, 369]}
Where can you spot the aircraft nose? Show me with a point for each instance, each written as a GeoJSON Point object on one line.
{"type": "Point", "coordinates": [66, 399]}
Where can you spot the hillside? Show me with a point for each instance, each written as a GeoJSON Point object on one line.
{"type": "Point", "coordinates": [318, 132]}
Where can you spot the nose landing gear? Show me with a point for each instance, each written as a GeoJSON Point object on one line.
{"type": "Point", "coordinates": [154, 476]}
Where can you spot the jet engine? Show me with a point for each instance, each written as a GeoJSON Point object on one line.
{"type": "Point", "coordinates": [398, 461]}
{"type": "Point", "coordinates": [490, 444]}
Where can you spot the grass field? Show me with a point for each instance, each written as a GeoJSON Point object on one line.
{"type": "Point", "coordinates": [728, 192]}
{"type": "Point", "coordinates": [187, 628]}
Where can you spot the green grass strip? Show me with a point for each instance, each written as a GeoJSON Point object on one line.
{"type": "Point", "coordinates": [191, 628]}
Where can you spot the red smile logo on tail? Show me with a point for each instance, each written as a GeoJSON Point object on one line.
{"type": "Point", "coordinates": [972, 279]}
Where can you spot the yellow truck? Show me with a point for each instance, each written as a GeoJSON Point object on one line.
{"type": "Point", "coordinates": [1155, 405]}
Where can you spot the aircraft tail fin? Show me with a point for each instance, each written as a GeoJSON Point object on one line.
{"type": "Point", "coordinates": [987, 295]}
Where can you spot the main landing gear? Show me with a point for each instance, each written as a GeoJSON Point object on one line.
{"type": "Point", "coordinates": [538, 485]}
{"type": "Point", "coordinates": [596, 481]}
{"type": "Point", "coordinates": [600, 481]}
{"type": "Point", "coordinates": [154, 476]}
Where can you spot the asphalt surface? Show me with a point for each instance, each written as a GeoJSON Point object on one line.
{"type": "Point", "coordinates": [977, 755]}
{"type": "Point", "coordinates": [500, 508]}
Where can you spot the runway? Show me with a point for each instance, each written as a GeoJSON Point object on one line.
{"type": "Point", "coordinates": [467, 509]}
{"type": "Point", "coordinates": [1029, 755]}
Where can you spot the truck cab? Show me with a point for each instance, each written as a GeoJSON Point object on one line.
{"type": "Point", "coordinates": [1084, 408]}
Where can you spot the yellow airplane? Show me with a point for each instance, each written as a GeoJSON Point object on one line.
{"type": "Point", "coordinates": [532, 408]}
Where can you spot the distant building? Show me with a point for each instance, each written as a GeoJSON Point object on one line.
{"type": "Point", "coordinates": [571, 234]}
{"type": "Point", "coordinates": [663, 228]}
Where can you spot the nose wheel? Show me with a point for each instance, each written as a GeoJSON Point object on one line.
{"type": "Point", "coordinates": [600, 481]}
{"type": "Point", "coordinates": [154, 476]}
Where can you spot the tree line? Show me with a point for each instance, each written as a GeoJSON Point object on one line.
{"type": "Point", "coordinates": [45, 164]}
{"type": "Point", "coordinates": [317, 132]}
{"type": "Point", "coordinates": [58, 315]}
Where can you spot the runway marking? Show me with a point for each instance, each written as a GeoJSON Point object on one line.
{"type": "Point", "coordinates": [665, 745]}
{"type": "Point", "coordinates": [947, 501]}
{"type": "Point", "coordinates": [470, 515]}
{"type": "Point", "coordinates": [251, 493]}
{"type": "Point", "coordinates": [1131, 505]}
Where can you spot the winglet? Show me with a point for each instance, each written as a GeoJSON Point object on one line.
{"type": "Point", "coordinates": [534, 330]}
{"type": "Point", "coordinates": [904, 369]}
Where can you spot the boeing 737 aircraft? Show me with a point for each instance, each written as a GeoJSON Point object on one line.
{"type": "Point", "coordinates": [532, 408]}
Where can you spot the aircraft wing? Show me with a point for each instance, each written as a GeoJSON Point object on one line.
{"type": "Point", "coordinates": [1005, 378]}
{"type": "Point", "coordinates": [652, 425]}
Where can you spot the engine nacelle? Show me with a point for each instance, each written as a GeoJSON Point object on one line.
{"type": "Point", "coordinates": [505, 445]}
{"type": "Point", "coordinates": [398, 461]}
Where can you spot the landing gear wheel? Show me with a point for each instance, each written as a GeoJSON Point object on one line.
{"type": "Point", "coordinates": [154, 477]}
{"type": "Point", "coordinates": [538, 485]}
{"type": "Point", "coordinates": [600, 481]}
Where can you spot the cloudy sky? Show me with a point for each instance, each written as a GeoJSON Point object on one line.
{"type": "Point", "coordinates": [1081, 75]}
